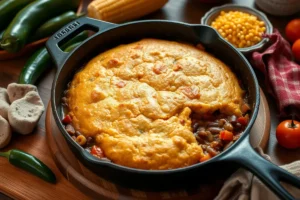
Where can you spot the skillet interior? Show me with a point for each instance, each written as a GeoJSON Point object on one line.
{"type": "Point", "coordinates": [163, 30]}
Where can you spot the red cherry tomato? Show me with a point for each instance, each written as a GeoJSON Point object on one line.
{"type": "Point", "coordinates": [292, 30]}
{"type": "Point", "coordinates": [288, 134]}
{"type": "Point", "coordinates": [296, 50]}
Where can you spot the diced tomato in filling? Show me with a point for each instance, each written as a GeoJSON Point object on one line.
{"type": "Point", "coordinates": [226, 135]}
{"type": "Point", "coordinates": [243, 120]}
{"type": "Point", "coordinates": [97, 151]}
{"type": "Point", "coordinates": [67, 119]}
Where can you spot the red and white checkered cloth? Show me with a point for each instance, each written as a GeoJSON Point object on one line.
{"type": "Point", "coordinates": [282, 74]}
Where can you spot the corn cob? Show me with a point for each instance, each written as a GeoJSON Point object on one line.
{"type": "Point", "coordinates": [117, 11]}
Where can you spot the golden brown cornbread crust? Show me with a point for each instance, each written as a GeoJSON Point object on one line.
{"type": "Point", "coordinates": [136, 99]}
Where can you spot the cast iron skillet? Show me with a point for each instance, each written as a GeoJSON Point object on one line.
{"type": "Point", "coordinates": [109, 35]}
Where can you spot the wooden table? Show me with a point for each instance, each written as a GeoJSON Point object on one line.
{"type": "Point", "coordinates": [189, 11]}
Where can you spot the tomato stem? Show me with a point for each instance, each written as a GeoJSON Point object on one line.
{"type": "Point", "coordinates": [293, 125]}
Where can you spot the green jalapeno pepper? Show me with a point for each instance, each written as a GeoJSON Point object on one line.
{"type": "Point", "coordinates": [1, 34]}
{"type": "Point", "coordinates": [72, 46]}
{"type": "Point", "coordinates": [30, 18]}
{"type": "Point", "coordinates": [29, 163]}
{"type": "Point", "coordinates": [9, 8]}
{"type": "Point", "coordinates": [52, 25]}
{"type": "Point", "coordinates": [40, 61]}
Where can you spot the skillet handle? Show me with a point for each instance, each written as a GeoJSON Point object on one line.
{"type": "Point", "coordinates": [269, 173]}
{"type": "Point", "coordinates": [69, 31]}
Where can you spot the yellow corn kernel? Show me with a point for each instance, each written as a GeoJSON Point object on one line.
{"type": "Point", "coordinates": [248, 43]}
{"type": "Point", "coordinates": [234, 40]}
{"type": "Point", "coordinates": [256, 39]}
{"type": "Point", "coordinates": [223, 34]}
{"type": "Point", "coordinates": [261, 23]}
{"type": "Point", "coordinates": [81, 140]}
{"type": "Point", "coordinates": [241, 29]}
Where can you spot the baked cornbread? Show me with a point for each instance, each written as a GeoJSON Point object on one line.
{"type": "Point", "coordinates": [136, 100]}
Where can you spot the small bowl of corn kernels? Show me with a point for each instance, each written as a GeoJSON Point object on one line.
{"type": "Point", "coordinates": [241, 26]}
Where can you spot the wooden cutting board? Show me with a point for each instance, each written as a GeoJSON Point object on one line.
{"type": "Point", "coordinates": [98, 188]}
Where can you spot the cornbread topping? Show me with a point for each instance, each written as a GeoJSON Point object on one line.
{"type": "Point", "coordinates": [136, 101]}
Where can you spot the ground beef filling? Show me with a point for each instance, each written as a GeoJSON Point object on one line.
{"type": "Point", "coordinates": [217, 132]}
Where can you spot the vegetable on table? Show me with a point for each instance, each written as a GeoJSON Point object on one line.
{"type": "Point", "coordinates": [119, 11]}
{"type": "Point", "coordinates": [28, 20]}
{"type": "Point", "coordinates": [296, 50]}
{"type": "Point", "coordinates": [40, 61]}
{"type": "Point", "coordinates": [9, 8]}
{"type": "Point", "coordinates": [72, 46]}
{"type": "Point", "coordinates": [4, 103]}
{"type": "Point", "coordinates": [292, 30]}
{"type": "Point", "coordinates": [54, 24]}
{"type": "Point", "coordinates": [24, 113]}
{"type": "Point", "coordinates": [17, 91]}
{"type": "Point", "coordinates": [6, 133]}
{"type": "Point", "coordinates": [288, 134]}
{"type": "Point", "coordinates": [29, 163]}
{"type": "Point", "coordinates": [1, 34]}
